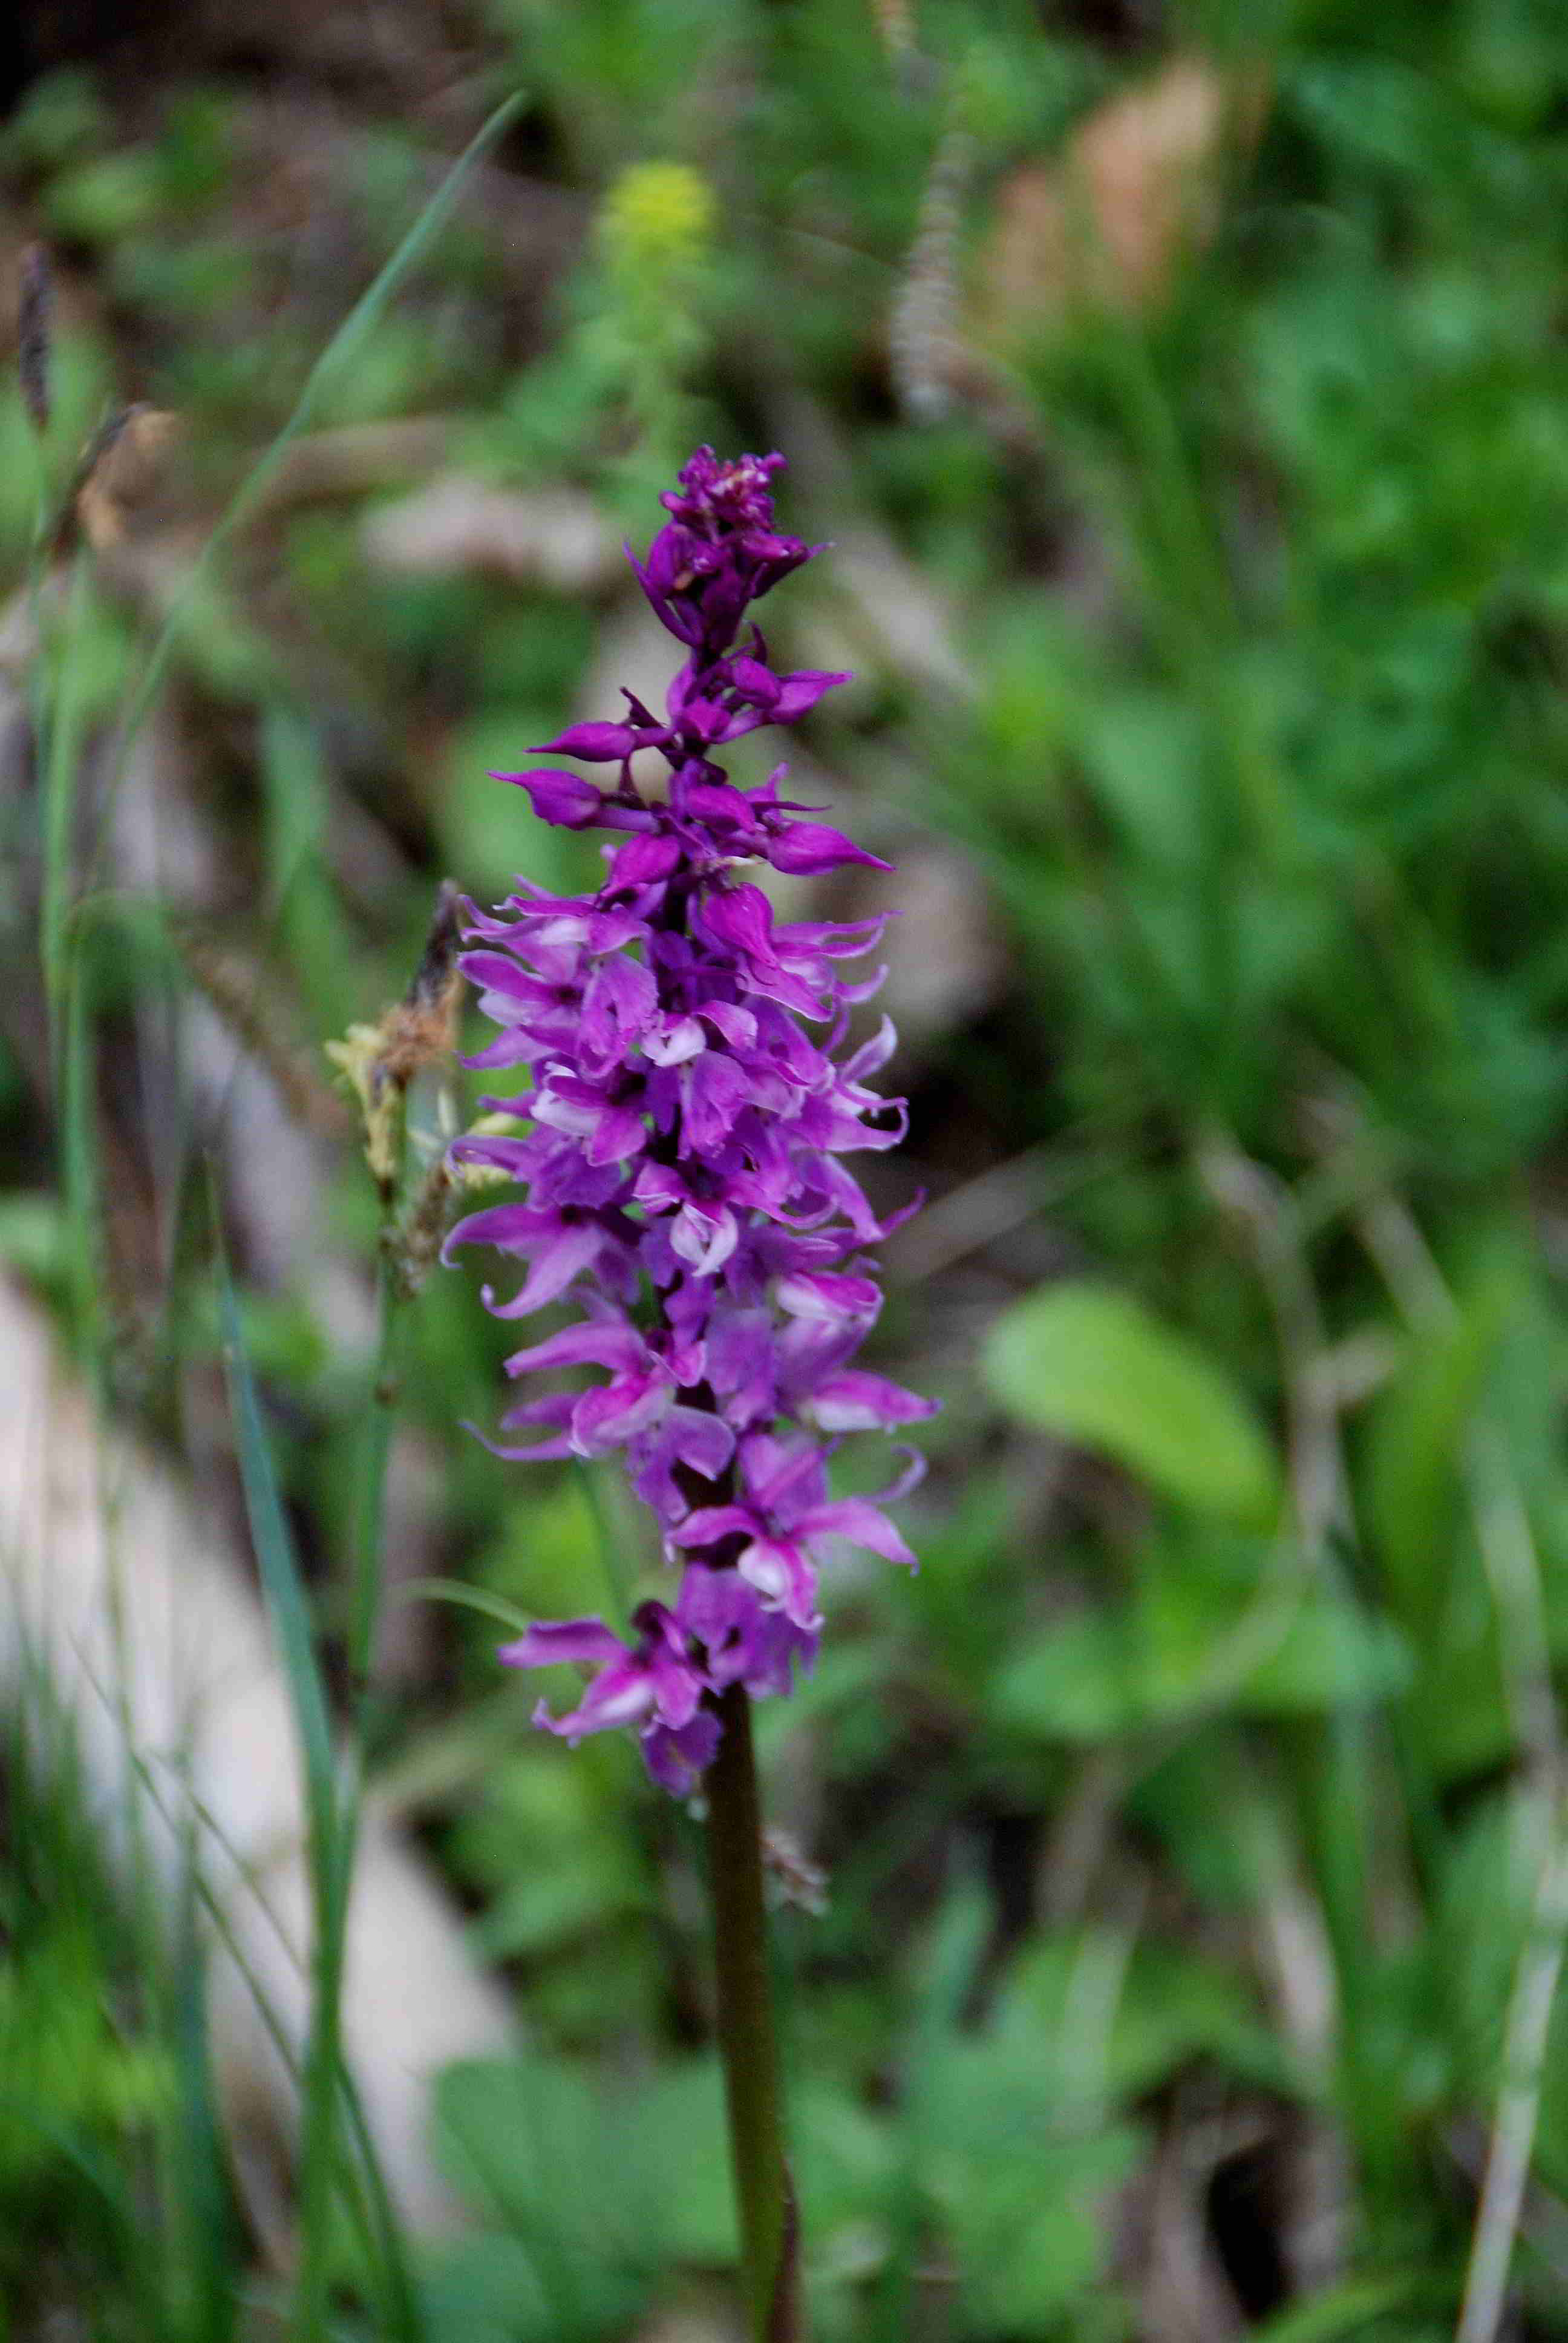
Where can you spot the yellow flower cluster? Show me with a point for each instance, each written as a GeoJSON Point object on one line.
{"type": "Point", "coordinates": [657, 219]}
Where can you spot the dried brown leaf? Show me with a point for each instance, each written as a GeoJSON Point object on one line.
{"type": "Point", "coordinates": [1138, 189]}
{"type": "Point", "coordinates": [120, 472]}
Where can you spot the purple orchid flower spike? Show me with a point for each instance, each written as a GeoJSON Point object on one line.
{"type": "Point", "coordinates": [684, 1186]}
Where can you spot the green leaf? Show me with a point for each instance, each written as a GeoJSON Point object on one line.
{"type": "Point", "coordinates": [488, 2290]}
{"type": "Point", "coordinates": [694, 2188]}
{"type": "Point", "coordinates": [466, 1598]}
{"type": "Point", "coordinates": [1092, 1365]}
{"type": "Point", "coordinates": [1076, 1682]}
{"type": "Point", "coordinates": [529, 2140]}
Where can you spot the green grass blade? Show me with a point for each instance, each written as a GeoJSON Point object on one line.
{"type": "Point", "coordinates": [282, 1585]}
{"type": "Point", "coordinates": [207, 2222]}
{"type": "Point", "coordinates": [289, 1611]}
{"type": "Point", "coordinates": [1350, 2309]}
{"type": "Point", "coordinates": [470, 1598]}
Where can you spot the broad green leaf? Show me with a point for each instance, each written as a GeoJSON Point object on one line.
{"type": "Point", "coordinates": [488, 2290]}
{"type": "Point", "coordinates": [691, 2186]}
{"type": "Point", "coordinates": [528, 2141]}
{"type": "Point", "coordinates": [1092, 1365]}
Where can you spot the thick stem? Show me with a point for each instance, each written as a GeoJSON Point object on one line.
{"type": "Point", "coordinates": [769, 2245]}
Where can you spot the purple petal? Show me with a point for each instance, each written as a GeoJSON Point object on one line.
{"type": "Point", "coordinates": [742, 919]}
{"type": "Point", "coordinates": [858, 1521]}
{"type": "Point", "coordinates": [564, 799]}
{"type": "Point", "coordinates": [806, 847]}
{"type": "Point", "coordinates": [737, 1026]}
{"type": "Point", "coordinates": [710, 1522]}
{"type": "Point", "coordinates": [620, 1001]}
{"type": "Point", "coordinates": [913, 1473]}
{"type": "Point", "coordinates": [676, 1759]}
{"type": "Point", "coordinates": [553, 1640]}
{"type": "Point", "coordinates": [701, 1439]}
{"type": "Point", "coordinates": [704, 1236]}
{"type": "Point", "coordinates": [799, 692]}
{"type": "Point", "coordinates": [547, 1411]}
{"type": "Point", "coordinates": [596, 744]}
{"type": "Point", "coordinates": [681, 1039]}
{"type": "Point", "coordinates": [623, 1693]}
{"type": "Point", "coordinates": [610, 1343]}
{"type": "Point", "coordinates": [717, 802]}
{"type": "Point", "coordinates": [617, 1412]}
{"type": "Point", "coordinates": [755, 681]}
{"type": "Point", "coordinates": [677, 1684]}
{"type": "Point", "coordinates": [660, 1187]}
{"type": "Point", "coordinates": [555, 1266]}
{"type": "Point", "coordinates": [498, 972]}
{"type": "Point", "coordinates": [718, 1610]}
{"type": "Point", "coordinates": [688, 1435]}
{"type": "Point", "coordinates": [874, 1054]}
{"type": "Point", "coordinates": [781, 1572]}
{"type": "Point", "coordinates": [508, 1226]}
{"type": "Point", "coordinates": [715, 1088]}
{"type": "Point", "coordinates": [853, 1401]}
{"type": "Point", "coordinates": [644, 860]}
{"type": "Point", "coordinates": [837, 1299]}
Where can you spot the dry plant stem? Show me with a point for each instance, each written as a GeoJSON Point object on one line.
{"type": "Point", "coordinates": [767, 2244]}
{"type": "Point", "coordinates": [1519, 2102]}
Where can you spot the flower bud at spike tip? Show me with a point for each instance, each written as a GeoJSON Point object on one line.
{"type": "Point", "coordinates": [682, 1136]}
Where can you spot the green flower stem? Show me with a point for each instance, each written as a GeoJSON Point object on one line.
{"type": "Point", "coordinates": [768, 2247]}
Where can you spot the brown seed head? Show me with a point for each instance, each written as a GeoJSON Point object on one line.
{"type": "Point", "coordinates": [422, 1026]}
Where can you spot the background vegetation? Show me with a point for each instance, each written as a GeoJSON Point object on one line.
{"type": "Point", "coordinates": [1185, 390]}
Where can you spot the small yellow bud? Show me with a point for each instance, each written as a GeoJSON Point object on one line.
{"type": "Point", "coordinates": [379, 1062]}
{"type": "Point", "coordinates": [360, 1059]}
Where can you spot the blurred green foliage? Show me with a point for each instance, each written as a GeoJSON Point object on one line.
{"type": "Point", "coordinates": [1186, 1805]}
